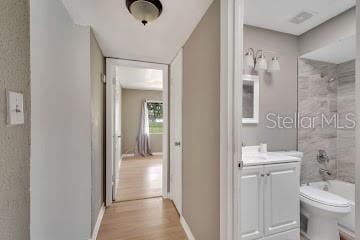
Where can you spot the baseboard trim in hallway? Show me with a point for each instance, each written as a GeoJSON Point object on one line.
{"type": "Point", "coordinates": [186, 228]}
{"type": "Point", "coordinates": [125, 155]}
{"type": "Point", "coordinates": [98, 223]}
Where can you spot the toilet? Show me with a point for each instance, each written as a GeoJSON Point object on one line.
{"type": "Point", "coordinates": [323, 210]}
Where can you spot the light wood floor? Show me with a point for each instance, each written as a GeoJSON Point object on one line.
{"type": "Point", "coordinates": [139, 178]}
{"type": "Point", "coordinates": [147, 219]}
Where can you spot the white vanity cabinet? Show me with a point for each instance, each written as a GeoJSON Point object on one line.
{"type": "Point", "coordinates": [251, 203]}
{"type": "Point", "coordinates": [269, 201]}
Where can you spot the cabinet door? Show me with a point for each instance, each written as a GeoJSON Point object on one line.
{"type": "Point", "coordinates": [282, 204]}
{"type": "Point", "coordinates": [251, 203]}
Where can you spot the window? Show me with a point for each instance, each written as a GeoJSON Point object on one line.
{"type": "Point", "coordinates": [156, 121]}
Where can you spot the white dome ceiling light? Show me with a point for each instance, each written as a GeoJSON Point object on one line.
{"type": "Point", "coordinates": [144, 10]}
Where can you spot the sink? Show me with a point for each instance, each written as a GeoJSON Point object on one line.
{"type": "Point", "coordinates": [252, 157]}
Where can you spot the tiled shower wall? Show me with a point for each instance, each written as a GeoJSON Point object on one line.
{"type": "Point", "coordinates": [345, 143]}
{"type": "Point", "coordinates": [326, 88]}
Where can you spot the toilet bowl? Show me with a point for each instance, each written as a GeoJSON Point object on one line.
{"type": "Point", "coordinates": [323, 209]}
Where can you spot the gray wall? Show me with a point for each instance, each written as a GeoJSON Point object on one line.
{"type": "Point", "coordinates": [60, 124]}
{"type": "Point", "coordinates": [14, 141]}
{"type": "Point", "coordinates": [319, 95]}
{"type": "Point", "coordinates": [97, 129]}
{"type": "Point", "coordinates": [277, 91]}
{"type": "Point", "coordinates": [132, 101]}
{"type": "Point", "coordinates": [342, 26]}
{"type": "Point", "coordinates": [201, 127]}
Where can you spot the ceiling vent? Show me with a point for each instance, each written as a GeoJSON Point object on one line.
{"type": "Point", "coordinates": [302, 17]}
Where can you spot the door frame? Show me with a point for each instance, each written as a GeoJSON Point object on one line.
{"type": "Point", "coordinates": [111, 64]}
{"type": "Point", "coordinates": [357, 129]}
{"type": "Point", "coordinates": [231, 68]}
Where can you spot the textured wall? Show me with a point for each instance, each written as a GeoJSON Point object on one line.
{"type": "Point", "coordinates": [277, 91]}
{"type": "Point", "coordinates": [14, 141]}
{"type": "Point", "coordinates": [131, 115]}
{"type": "Point", "coordinates": [97, 129]}
{"type": "Point", "coordinates": [320, 94]}
{"type": "Point", "coordinates": [346, 137]}
{"type": "Point", "coordinates": [201, 127]}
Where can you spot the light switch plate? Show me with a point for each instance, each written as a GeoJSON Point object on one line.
{"type": "Point", "coordinates": [15, 108]}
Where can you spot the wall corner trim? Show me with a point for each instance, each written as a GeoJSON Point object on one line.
{"type": "Point", "coordinates": [186, 228]}
{"type": "Point", "coordinates": [98, 222]}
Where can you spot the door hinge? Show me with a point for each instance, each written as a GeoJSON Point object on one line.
{"type": "Point", "coordinates": [103, 78]}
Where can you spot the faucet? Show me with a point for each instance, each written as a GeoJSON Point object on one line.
{"type": "Point", "coordinates": [323, 171]}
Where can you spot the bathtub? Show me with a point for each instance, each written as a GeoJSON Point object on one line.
{"type": "Point", "coordinates": [347, 191]}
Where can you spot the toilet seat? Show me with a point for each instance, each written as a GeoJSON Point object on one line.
{"type": "Point", "coordinates": [324, 200]}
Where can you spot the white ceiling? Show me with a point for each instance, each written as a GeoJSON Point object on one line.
{"type": "Point", "coordinates": [140, 78]}
{"type": "Point", "coordinates": [276, 14]}
{"type": "Point", "coordinates": [341, 51]}
{"type": "Point", "coordinates": [121, 36]}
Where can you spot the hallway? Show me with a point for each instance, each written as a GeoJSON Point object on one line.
{"type": "Point", "coordinates": [147, 219]}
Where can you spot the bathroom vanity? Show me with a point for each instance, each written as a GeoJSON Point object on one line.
{"type": "Point", "coordinates": [269, 195]}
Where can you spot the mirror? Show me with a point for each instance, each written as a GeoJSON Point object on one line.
{"type": "Point", "coordinates": [250, 99]}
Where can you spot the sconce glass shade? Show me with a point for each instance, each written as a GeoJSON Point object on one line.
{"type": "Point", "coordinates": [261, 63]}
{"type": "Point", "coordinates": [249, 60]}
{"type": "Point", "coordinates": [274, 65]}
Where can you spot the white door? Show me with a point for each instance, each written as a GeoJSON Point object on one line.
{"type": "Point", "coordinates": [176, 75]}
{"type": "Point", "coordinates": [282, 205]}
{"type": "Point", "coordinates": [110, 129]}
{"type": "Point", "coordinates": [251, 210]}
{"type": "Point", "coordinates": [117, 138]}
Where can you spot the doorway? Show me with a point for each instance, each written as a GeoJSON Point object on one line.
{"type": "Point", "coordinates": [237, 46]}
{"type": "Point", "coordinates": [137, 130]}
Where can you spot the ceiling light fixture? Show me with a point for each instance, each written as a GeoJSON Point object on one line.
{"type": "Point", "coordinates": [144, 10]}
{"type": "Point", "coordinates": [258, 61]}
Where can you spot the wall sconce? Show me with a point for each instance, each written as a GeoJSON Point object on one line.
{"type": "Point", "coordinates": [258, 61]}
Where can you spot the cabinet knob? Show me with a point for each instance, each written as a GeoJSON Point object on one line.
{"type": "Point", "coordinates": [268, 174]}
{"type": "Point", "coordinates": [262, 175]}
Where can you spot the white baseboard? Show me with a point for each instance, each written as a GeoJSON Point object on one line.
{"type": "Point", "coordinates": [157, 153]}
{"type": "Point", "coordinates": [128, 155]}
{"type": "Point", "coordinates": [133, 154]}
{"type": "Point", "coordinates": [166, 195]}
{"type": "Point", "coordinates": [98, 223]}
{"type": "Point", "coordinates": [186, 228]}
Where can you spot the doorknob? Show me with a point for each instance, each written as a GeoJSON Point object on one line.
{"type": "Point", "coordinates": [177, 143]}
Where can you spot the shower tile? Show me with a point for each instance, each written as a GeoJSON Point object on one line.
{"type": "Point", "coordinates": [326, 88]}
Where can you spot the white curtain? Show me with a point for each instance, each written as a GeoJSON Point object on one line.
{"type": "Point", "coordinates": [143, 138]}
